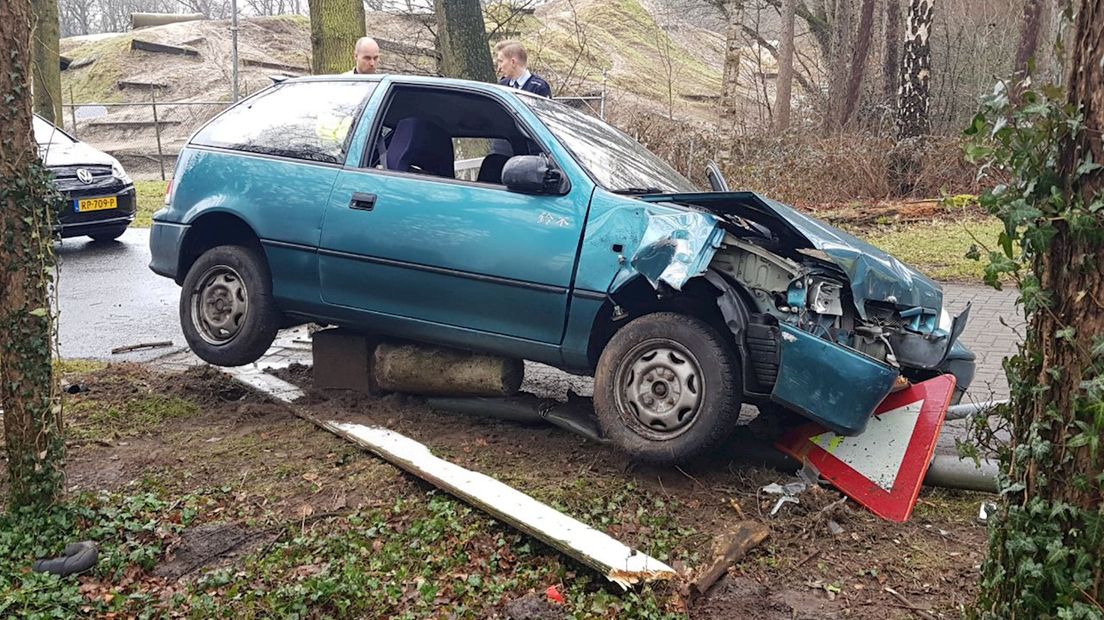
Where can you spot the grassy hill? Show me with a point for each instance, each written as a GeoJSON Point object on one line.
{"type": "Point", "coordinates": [571, 43]}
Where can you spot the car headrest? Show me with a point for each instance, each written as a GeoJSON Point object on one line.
{"type": "Point", "coordinates": [419, 145]}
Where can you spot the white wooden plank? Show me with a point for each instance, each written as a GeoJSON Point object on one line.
{"type": "Point", "coordinates": [618, 562]}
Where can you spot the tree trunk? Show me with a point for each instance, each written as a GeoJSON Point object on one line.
{"type": "Point", "coordinates": [1046, 554]}
{"type": "Point", "coordinates": [913, 98]}
{"type": "Point", "coordinates": [47, 68]}
{"type": "Point", "coordinates": [1049, 65]}
{"type": "Point", "coordinates": [335, 27]}
{"type": "Point", "coordinates": [730, 82]}
{"type": "Point", "coordinates": [32, 422]}
{"type": "Point", "coordinates": [1029, 36]}
{"type": "Point", "coordinates": [462, 40]}
{"type": "Point", "coordinates": [784, 85]}
{"type": "Point", "coordinates": [839, 63]}
{"type": "Point", "coordinates": [891, 76]}
{"type": "Point", "coordinates": [858, 60]}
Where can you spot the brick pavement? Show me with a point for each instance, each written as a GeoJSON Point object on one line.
{"type": "Point", "coordinates": [985, 334]}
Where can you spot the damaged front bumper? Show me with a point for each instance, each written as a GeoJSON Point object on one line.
{"type": "Point", "coordinates": [827, 325]}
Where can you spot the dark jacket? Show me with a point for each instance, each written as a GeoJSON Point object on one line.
{"type": "Point", "coordinates": [535, 84]}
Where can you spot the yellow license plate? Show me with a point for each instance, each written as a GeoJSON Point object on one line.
{"type": "Point", "coordinates": [96, 204]}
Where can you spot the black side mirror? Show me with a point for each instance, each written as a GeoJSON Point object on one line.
{"type": "Point", "coordinates": [533, 174]}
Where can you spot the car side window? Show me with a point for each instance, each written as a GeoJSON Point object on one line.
{"type": "Point", "coordinates": [452, 134]}
{"type": "Point", "coordinates": [311, 121]}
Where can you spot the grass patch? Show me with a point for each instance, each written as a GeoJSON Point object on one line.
{"type": "Point", "coordinates": [151, 198]}
{"type": "Point", "coordinates": [938, 248]}
{"type": "Point", "coordinates": [427, 555]}
{"type": "Point", "coordinates": [424, 556]}
{"type": "Point", "coordinates": [91, 420]}
{"type": "Point", "coordinates": [98, 82]}
{"type": "Point", "coordinates": [76, 365]}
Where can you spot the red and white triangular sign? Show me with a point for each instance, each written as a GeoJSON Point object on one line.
{"type": "Point", "coordinates": [884, 467]}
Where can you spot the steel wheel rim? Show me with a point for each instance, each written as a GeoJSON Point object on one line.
{"type": "Point", "coordinates": [220, 305]}
{"type": "Point", "coordinates": [660, 389]}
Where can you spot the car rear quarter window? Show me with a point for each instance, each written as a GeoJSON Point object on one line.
{"type": "Point", "coordinates": [311, 121]}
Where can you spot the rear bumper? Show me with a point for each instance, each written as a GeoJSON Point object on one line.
{"type": "Point", "coordinates": [166, 239]}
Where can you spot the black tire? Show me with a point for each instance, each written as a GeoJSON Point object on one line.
{"type": "Point", "coordinates": [234, 284]}
{"type": "Point", "coordinates": [110, 234]}
{"type": "Point", "coordinates": [628, 374]}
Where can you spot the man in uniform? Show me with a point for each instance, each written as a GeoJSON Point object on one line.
{"type": "Point", "coordinates": [511, 62]}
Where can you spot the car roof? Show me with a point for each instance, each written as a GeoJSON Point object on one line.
{"type": "Point", "coordinates": [405, 79]}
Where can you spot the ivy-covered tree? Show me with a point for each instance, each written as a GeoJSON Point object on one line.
{"type": "Point", "coordinates": [32, 417]}
{"type": "Point", "coordinates": [1044, 151]}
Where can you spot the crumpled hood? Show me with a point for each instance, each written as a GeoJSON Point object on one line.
{"type": "Point", "coordinates": [874, 274]}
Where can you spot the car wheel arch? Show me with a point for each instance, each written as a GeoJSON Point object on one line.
{"type": "Point", "coordinates": [698, 298]}
{"type": "Point", "coordinates": [212, 230]}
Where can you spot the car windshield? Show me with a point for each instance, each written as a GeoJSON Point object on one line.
{"type": "Point", "coordinates": [612, 158]}
{"type": "Point", "coordinates": [45, 133]}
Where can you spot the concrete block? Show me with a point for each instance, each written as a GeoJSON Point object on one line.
{"type": "Point", "coordinates": [342, 360]}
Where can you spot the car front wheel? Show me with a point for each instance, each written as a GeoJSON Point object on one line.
{"type": "Point", "coordinates": [226, 308]}
{"type": "Point", "coordinates": [667, 388]}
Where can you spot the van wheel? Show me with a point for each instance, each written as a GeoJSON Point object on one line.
{"type": "Point", "coordinates": [667, 388]}
{"type": "Point", "coordinates": [226, 308]}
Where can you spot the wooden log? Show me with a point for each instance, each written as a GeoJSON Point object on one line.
{"type": "Point", "coordinates": [437, 371]}
{"type": "Point", "coordinates": [81, 62]}
{"type": "Point", "coordinates": [125, 84]}
{"type": "Point", "coordinates": [148, 20]}
{"type": "Point", "coordinates": [132, 124]}
{"type": "Point", "coordinates": [162, 48]}
{"type": "Point", "coordinates": [747, 536]}
{"type": "Point", "coordinates": [275, 66]}
{"type": "Point", "coordinates": [406, 49]}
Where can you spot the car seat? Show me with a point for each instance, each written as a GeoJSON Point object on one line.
{"type": "Point", "coordinates": [490, 171]}
{"type": "Point", "coordinates": [418, 145]}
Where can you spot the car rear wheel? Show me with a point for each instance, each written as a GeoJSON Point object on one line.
{"type": "Point", "coordinates": [226, 308]}
{"type": "Point", "coordinates": [667, 388]}
{"type": "Point", "coordinates": [110, 234]}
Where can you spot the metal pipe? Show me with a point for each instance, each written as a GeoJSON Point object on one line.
{"type": "Point", "coordinates": [157, 132]}
{"type": "Point", "coordinates": [602, 103]}
{"type": "Point", "coordinates": [72, 111]}
{"type": "Point", "coordinates": [953, 472]}
{"type": "Point", "coordinates": [234, 44]}
{"type": "Point", "coordinates": [130, 105]}
{"type": "Point", "coordinates": [969, 410]}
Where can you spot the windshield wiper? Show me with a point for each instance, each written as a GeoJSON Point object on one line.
{"type": "Point", "coordinates": [638, 190]}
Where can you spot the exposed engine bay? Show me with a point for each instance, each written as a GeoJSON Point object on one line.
{"type": "Point", "coordinates": [827, 324]}
{"type": "Point", "coordinates": [812, 295]}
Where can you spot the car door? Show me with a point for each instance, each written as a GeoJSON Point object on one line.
{"type": "Point", "coordinates": [449, 252]}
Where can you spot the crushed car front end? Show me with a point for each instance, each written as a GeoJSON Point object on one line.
{"type": "Point", "coordinates": [826, 324]}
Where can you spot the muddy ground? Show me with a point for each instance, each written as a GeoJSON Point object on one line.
{"type": "Point", "coordinates": [256, 467]}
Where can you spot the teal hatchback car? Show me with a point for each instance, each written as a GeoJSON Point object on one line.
{"type": "Point", "coordinates": [479, 217]}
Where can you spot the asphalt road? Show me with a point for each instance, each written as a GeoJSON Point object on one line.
{"type": "Point", "coordinates": [108, 298]}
